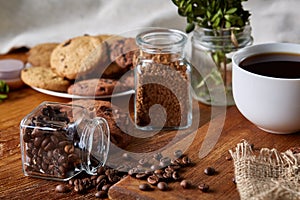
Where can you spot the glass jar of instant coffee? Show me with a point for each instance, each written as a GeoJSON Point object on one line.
{"type": "Point", "coordinates": [58, 141]}
{"type": "Point", "coordinates": [162, 81]}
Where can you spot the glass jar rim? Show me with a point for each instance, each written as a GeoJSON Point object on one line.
{"type": "Point", "coordinates": [164, 40]}
{"type": "Point", "coordinates": [87, 140]}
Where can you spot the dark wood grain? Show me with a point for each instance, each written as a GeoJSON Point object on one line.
{"type": "Point", "coordinates": [14, 185]}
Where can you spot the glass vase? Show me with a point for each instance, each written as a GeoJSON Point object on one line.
{"type": "Point", "coordinates": [211, 55]}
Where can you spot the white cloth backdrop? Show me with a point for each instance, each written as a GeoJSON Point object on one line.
{"type": "Point", "coordinates": [29, 22]}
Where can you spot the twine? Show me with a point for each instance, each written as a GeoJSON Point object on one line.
{"type": "Point", "coordinates": [270, 175]}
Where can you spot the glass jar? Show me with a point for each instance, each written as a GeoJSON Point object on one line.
{"type": "Point", "coordinates": [162, 81]}
{"type": "Point", "coordinates": [58, 141]}
{"type": "Point", "coordinates": [211, 55]}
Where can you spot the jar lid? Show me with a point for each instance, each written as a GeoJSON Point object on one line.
{"type": "Point", "coordinates": [10, 68]}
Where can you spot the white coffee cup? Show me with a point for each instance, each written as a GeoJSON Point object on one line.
{"type": "Point", "coordinates": [272, 104]}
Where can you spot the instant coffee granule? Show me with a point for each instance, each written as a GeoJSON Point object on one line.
{"type": "Point", "coordinates": [162, 80]}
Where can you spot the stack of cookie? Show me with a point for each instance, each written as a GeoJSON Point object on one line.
{"type": "Point", "coordinates": [84, 65]}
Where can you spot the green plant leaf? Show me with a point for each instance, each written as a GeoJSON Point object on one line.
{"type": "Point", "coordinates": [231, 11]}
{"type": "Point", "coordinates": [4, 87]}
{"type": "Point", "coordinates": [190, 27]}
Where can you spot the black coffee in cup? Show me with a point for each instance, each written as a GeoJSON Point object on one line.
{"type": "Point", "coordinates": [277, 65]}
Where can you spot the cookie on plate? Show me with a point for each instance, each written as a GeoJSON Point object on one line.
{"type": "Point", "coordinates": [114, 117]}
{"type": "Point", "coordinates": [45, 78]}
{"type": "Point", "coordinates": [39, 55]}
{"type": "Point", "coordinates": [121, 51]}
{"type": "Point", "coordinates": [91, 87]}
{"type": "Point", "coordinates": [79, 56]}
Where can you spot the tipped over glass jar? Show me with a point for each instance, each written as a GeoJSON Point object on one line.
{"type": "Point", "coordinates": [58, 141]}
{"type": "Point", "coordinates": [162, 81]}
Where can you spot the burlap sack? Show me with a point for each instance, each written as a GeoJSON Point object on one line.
{"type": "Point", "coordinates": [269, 175]}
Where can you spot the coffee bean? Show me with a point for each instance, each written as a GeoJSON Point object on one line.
{"type": "Point", "coordinates": [186, 160]}
{"type": "Point", "coordinates": [175, 176]}
{"type": "Point", "coordinates": [133, 171]}
{"type": "Point", "coordinates": [153, 179]}
{"type": "Point", "coordinates": [106, 187]}
{"type": "Point", "coordinates": [101, 194]}
{"type": "Point", "coordinates": [141, 175]}
{"type": "Point", "coordinates": [169, 170]}
{"type": "Point", "coordinates": [45, 142]}
{"type": "Point", "coordinates": [49, 146]}
{"type": "Point", "coordinates": [233, 180]}
{"type": "Point", "coordinates": [100, 184]}
{"type": "Point", "coordinates": [228, 158]}
{"type": "Point", "coordinates": [100, 178]}
{"type": "Point", "coordinates": [163, 186]}
{"type": "Point", "coordinates": [71, 182]}
{"type": "Point", "coordinates": [185, 184]}
{"type": "Point", "coordinates": [209, 171]}
{"type": "Point", "coordinates": [37, 141]}
{"type": "Point", "coordinates": [79, 188]}
{"type": "Point", "coordinates": [145, 187]}
{"type": "Point", "coordinates": [54, 139]}
{"type": "Point", "coordinates": [203, 187]}
{"type": "Point", "coordinates": [101, 170]}
{"type": "Point", "coordinates": [61, 188]}
{"type": "Point", "coordinates": [69, 148]}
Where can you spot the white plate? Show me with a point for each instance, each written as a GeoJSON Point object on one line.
{"type": "Point", "coordinates": [71, 96]}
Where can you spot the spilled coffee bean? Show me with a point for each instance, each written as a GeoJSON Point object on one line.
{"type": "Point", "coordinates": [145, 187]}
{"type": "Point", "coordinates": [209, 171]}
{"type": "Point", "coordinates": [203, 187]}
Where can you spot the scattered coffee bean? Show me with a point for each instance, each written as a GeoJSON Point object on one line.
{"type": "Point", "coordinates": [141, 175]}
{"type": "Point", "coordinates": [153, 179]}
{"type": "Point", "coordinates": [79, 188]}
{"type": "Point", "coordinates": [186, 160]}
{"type": "Point", "coordinates": [175, 175]}
{"type": "Point", "coordinates": [233, 180]}
{"type": "Point", "coordinates": [163, 186]}
{"type": "Point", "coordinates": [61, 188]}
{"type": "Point", "coordinates": [145, 187]}
{"type": "Point", "coordinates": [101, 194]}
{"type": "Point", "coordinates": [203, 187]}
{"type": "Point", "coordinates": [228, 158]}
{"type": "Point", "coordinates": [106, 187]}
{"type": "Point", "coordinates": [209, 171]}
{"type": "Point", "coordinates": [185, 184]}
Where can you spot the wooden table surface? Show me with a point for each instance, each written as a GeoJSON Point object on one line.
{"type": "Point", "coordinates": [14, 185]}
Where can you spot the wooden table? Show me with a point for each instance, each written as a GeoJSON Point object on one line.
{"type": "Point", "coordinates": [14, 185]}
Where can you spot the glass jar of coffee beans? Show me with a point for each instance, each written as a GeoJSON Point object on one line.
{"type": "Point", "coordinates": [162, 81]}
{"type": "Point", "coordinates": [58, 141]}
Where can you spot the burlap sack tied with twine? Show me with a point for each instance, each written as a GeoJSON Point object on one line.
{"type": "Point", "coordinates": [270, 175]}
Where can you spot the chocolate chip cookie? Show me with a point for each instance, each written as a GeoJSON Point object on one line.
{"type": "Point", "coordinates": [93, 87]}
{"type": "Point", "coordinates": [121, 51]}
{"type": "Point", "coordinates": [79, 56]}
{"type": "Point", "coordinates": [39, 55]}
{"type": "Point", "coordinates": [45, 78]}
